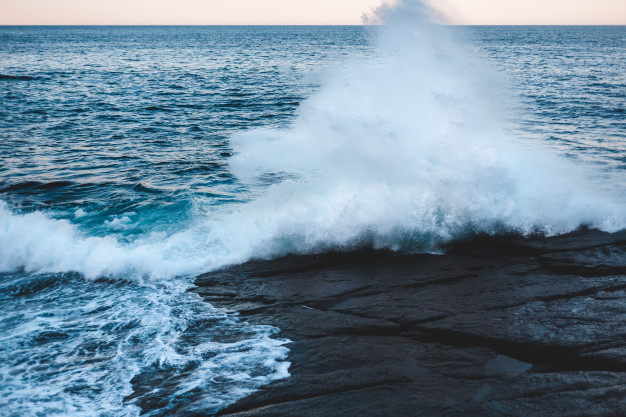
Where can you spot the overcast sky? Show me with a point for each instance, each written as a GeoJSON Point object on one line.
{"type": "Point", "coordinates": [207, 12]}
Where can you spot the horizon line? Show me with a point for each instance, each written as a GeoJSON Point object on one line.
{"type": "Point", "coordinates": [294, 24]}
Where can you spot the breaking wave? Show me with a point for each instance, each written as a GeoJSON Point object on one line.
{"type": "Point", "coordinates": [403, 150]}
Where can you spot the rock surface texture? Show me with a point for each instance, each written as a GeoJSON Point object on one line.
{"type": "Point", "coordinates": [496, 326]}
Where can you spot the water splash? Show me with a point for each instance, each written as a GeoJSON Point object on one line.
{"type": "Point", "coordinates": [409, 148]}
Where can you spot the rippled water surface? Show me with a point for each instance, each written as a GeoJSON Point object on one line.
{"type": "Point", "coordinates": [118, 184]}
{"type": "Point", "coordinates": [572, 82]}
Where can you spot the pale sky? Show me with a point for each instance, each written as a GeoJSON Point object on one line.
{"type": "Point", "coordinates": [242, 12]}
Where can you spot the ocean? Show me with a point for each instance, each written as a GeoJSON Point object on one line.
{"type": "Point", "coordinates": [133, 159]}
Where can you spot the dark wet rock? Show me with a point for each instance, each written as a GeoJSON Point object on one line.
{"type": "Point", "coordinates": [498, 326]}
{"type": "Point", "coordinates": [604, 260]}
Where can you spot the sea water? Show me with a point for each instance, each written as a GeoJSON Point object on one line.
{"type": "Point", "coordinates": [134, 158]}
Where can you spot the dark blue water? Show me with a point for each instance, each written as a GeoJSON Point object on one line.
{"type": "Point", "coordinates": [134, 158]}
{"type": "Point", "coordinates": [572, 84]}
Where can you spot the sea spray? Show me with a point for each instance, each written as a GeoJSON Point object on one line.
{"type": "Point", "coordinates": [406, 149]}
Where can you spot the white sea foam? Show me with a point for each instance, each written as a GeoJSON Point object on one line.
{"type": "Point", "coordinates": [74, 348]}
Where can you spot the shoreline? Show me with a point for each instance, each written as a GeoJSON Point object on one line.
{"type": "Point", "coordinates": [496, 326]}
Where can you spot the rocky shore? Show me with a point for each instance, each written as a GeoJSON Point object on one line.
{"type": "Point", "coordinates": [496, 326]}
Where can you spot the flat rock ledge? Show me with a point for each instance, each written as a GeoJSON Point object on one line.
{"type": "Point", "coordinates": [495, 327]}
